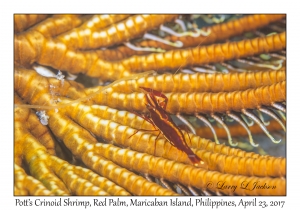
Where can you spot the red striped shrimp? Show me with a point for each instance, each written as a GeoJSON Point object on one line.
{"type": "Point", "coordinates": [163, 122]}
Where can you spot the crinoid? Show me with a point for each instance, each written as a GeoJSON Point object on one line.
{"type": "Point", "coordinates": [224, 78]}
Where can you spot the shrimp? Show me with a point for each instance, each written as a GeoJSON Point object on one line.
{"type": "Point", "coordinates": [163, 122]}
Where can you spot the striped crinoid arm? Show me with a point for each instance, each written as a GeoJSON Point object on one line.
{"type": "Point", "coordinates": [236, 130]}
{"type": "Point", "coordinates": [112, 125]}
{"type": "Point", "coordinates": [97, 22]}
{"type": "Point", "coordinates": [262, 99]}
{"type": "Point", "coordinates": [260, 167]}
{"type": "Point", "coordinates": [135, 184]}
{"type": "Point", "coordinates": [58, 24]}
{"type": "Point", "coordinates": [175, 59]}
{"type": "Point", "coordinates": [27, 185]}
{"type": "Point", "coordinates": [32, 124]}
{"type": "Point", "coordinates": [60, 177]}
{"type": "Point", "coordinates": [215, 33]}
{"type": "Point", "coordinates": [42, 164]}
{"type": "Point", "coordinates": [79, 141]}
{"type": "Point", "coordinates": [206, 102]}
{"type": "Point", "coordinates": [211, 104]}
{"type": "Point", "coordinates": [131, 100]}
{"type": "Point", "coordinates": [235, 161]}
{"type": "Point", "coordinates": [35, 155]}
{"type": "Point", "coordinates": [227, 101]}
{"type": "Point", "coordinates": [201, 82]}
{"type": "Point", "coordinates": [114, 121]}
{"type": "Point", "coordinates": [118, 53]}
{"type": "Point", "coordinates": [81, 144]}
{"type": "Point", "coordinates": [102, 21]}
{"type": "Point", "coordinates": [54, 174]}
{"type": "Point", "coordinates": [34, 47]}
{"type": "Point", "coordinates": [130, 28]}
{"type": "Point", "coordinates": [219, 32]}
{"type": "Point", "coordinates": [26, 79]}
{"type": "Point", "coordinates": [45, 93]}
{"type": "Point", "coordinates": [102, 182]}
{"type": "Point", "coordinates": [216, 157]}
{"type": "Point", "coordinates": [22, 22]}
{"type": "Point", "coordinates": [188, 175]}
{"type": "Point", "coordinates": [82, 181]}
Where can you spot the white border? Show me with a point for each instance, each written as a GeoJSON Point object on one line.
{"type": "Point", "coordinates": [8, 8]}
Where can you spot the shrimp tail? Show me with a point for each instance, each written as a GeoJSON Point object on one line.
{"type": "Point", "coordinates": [195, 159]}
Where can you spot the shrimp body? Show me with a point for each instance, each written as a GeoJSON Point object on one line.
{"type": "Point", "coordinates": [161, 120]}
